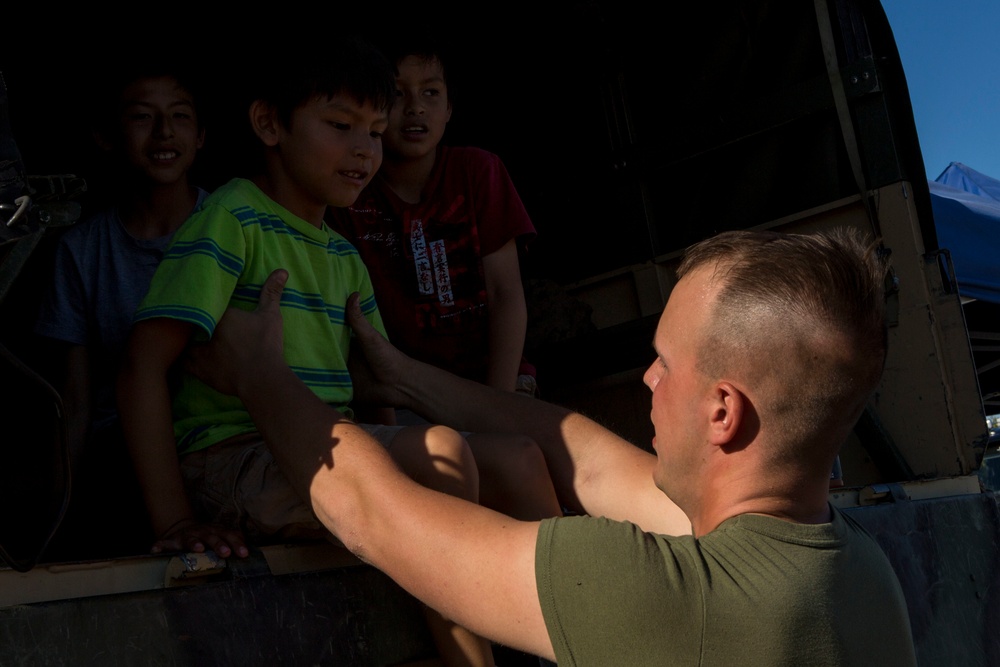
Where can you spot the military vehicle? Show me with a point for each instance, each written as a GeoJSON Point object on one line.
{"type": "Point", "coordinates": [631, 131]}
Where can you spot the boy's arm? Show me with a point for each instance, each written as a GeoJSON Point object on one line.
{"type": "Point", "coordinates": [508, 316]}
{"type": "Point", "coordinates": [144, 405]}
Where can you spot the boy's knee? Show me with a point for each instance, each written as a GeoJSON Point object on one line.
{"type": "Point", "coordinates": [447, 443]}
{"type": "Point", "coordinates": [452, 458]}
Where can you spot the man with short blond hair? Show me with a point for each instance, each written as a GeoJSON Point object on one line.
{"type": "Point", "coordinates": [720, 549]}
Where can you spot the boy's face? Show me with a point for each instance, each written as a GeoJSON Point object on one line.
{"type": "Point", "coordinates": [328, 153]}
{"type": "Point", "coordinates": [422, 109]}
{"type": "Point", "coordinates": [159, 129]}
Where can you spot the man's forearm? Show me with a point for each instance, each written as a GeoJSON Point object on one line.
{"type": "Point", "coordinates": [580, 453]}
{"type": "Point", "coordinates": [470, 406]}
{"type": "Point", "coordinates": [594, 471]}
{"type": "Point", "coordinates": [294, 422]}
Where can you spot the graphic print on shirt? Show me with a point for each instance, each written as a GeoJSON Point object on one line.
{"type": "Point", "coordinates": [425, 264]}
{"type": "Point", "coordinates": [442, 277]}
{"type": "Point", "coordinates": [431, 264]}
{"type": "Point", "coordinates": [429, 277]}
{"type": "Point", "coordinates": [422, 265]}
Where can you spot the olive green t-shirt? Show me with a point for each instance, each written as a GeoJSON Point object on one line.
{"type": "Point", "coordinates": [755, 591]}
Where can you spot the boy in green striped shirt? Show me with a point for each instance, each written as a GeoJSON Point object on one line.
{"type": "Point", "coordinates": [208, 479]}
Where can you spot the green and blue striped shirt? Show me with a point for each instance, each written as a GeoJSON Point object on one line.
{"type": "Point", "coordinates": [221, 257]}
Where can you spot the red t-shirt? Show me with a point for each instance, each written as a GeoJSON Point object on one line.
{"type": "Point", "coordinates": [425, 259]}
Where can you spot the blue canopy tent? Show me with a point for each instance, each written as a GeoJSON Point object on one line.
{"type": "Point", "coordinates": [966, 206]}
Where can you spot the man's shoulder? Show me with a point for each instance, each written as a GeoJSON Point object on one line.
{"type": "Point", "coordinates": [612, 536]}
{"type": "Point", "coordinates": [867, 549]}
{"type": "Point", "coordinates": [802, 542]}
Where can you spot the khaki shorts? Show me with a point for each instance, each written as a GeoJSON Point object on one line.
{"type": "Point", "coordinates": [238, 483]}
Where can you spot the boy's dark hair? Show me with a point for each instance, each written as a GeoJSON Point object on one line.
{"type": "Point", "coordinates": [332, 66]}
{"type": "Point", "coordinates": [116, 77]}
{"type": "Point", "coordinates": [422, 43]}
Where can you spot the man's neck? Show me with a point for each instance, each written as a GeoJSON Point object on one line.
{"type": "Point", "coordinates": [804, 502]}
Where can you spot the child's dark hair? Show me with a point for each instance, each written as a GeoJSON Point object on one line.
{"type": "Point", "coordinates": [332, 66]}
{"type": "Point", "coordinates": [116, 77]}
{"type": "Point", "coordinates": [422, 43]}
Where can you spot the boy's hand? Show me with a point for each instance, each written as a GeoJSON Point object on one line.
{"type": "Point", "coordinates": [243, 343]}
{"type": "Point", "coordinates": [192, 535]}
{"type": "Point", "coordinates": [374, 363]}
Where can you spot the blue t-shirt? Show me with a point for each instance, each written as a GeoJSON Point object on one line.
{"type": "Point", "coordinates": [101, 274]}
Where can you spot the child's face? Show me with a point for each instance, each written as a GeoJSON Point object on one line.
{"type": "Point", "coordinates": [421, 111]}
{"type": "Point", "coordinates": [329, 152]}
{"type": "Point", "coordinates": [159, 129]}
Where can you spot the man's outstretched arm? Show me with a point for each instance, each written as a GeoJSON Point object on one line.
{"type": "Point", "coordinates": [473, 565]}
{"type": "Point", "coordinates": [594, 471]}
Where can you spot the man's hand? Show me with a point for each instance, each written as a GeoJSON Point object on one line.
{"type": "Point", "coordinates": [243, 341]}
{"type": "Point", "coordinates": [376, 366]}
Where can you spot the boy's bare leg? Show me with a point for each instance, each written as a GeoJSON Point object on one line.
{"type": "Point", "coordinates": [439, 458]}
{"type": "Point", "coordinates": [513, 477]}
{"type": "Point", "coordinates": [456, 645]}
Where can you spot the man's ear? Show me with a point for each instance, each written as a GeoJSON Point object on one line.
{"type": "Point", "coordinates": [264, 121]}
{"type": "Point", "coordinates": [201, 139]}
{"type": "Point", "coordinates": [729, 405]}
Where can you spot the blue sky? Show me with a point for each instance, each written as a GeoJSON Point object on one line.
{"type": "Point", "coordinates": [950, 51]}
